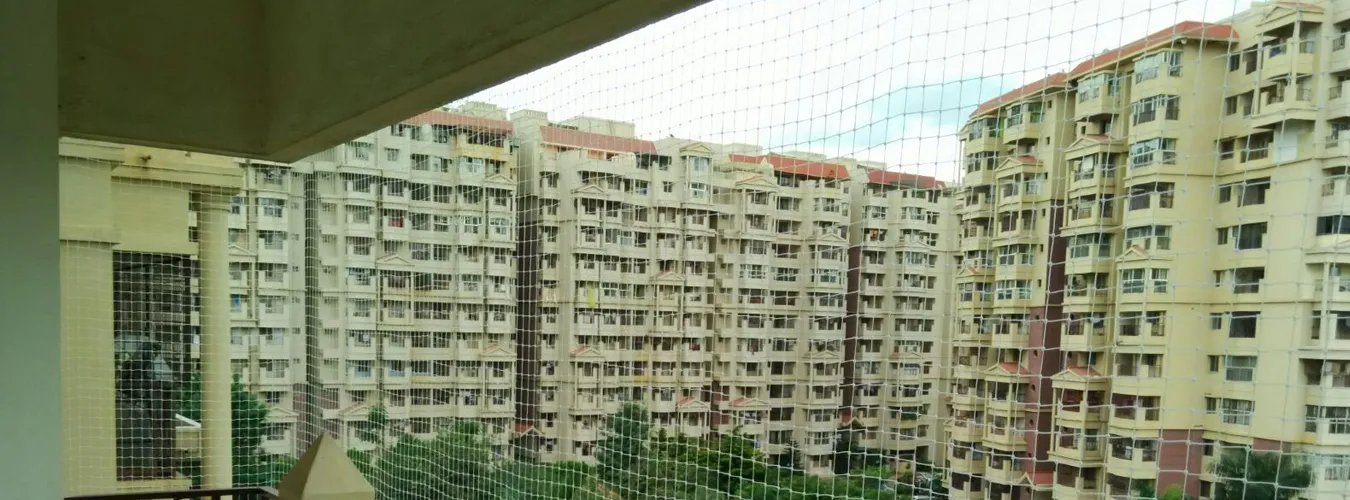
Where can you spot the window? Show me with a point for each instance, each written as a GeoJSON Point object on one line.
{"type": "Point", "coordinates": [1239, 368]}
{"type": "Point", "coordinates": [1251, 192]}
{"type": "Point", "coordinates": [1146, 110]}
{"type": "Point", "coordinates": [1333, 224]}
{"type": "Point", "coordinates": [1160, 280]}
{"type": "Point", "coordinates": [1245, 237]}
{"type": "Point", "coordinates": [1337, 466]}
{"type": "Point", "coordinates": [1158, 149]}
{"type": "Point", "coordinates": [1150, 66]}
{"type": "Point", "coordinates": [421, 162]}
{"type": "Point", "coordinates": [697, 163]}
{"type": "Point", "coordinates": [272, 207]}
{"type": "Point", "coordinates": [1091, 87]}
{"type": "Point", "coordinates": [360, 150]}
{"type": "Point", "coordinates": [1132, 280]}
{"type": "Point", "coordinates": [1149, 237]}
{"type": "Point", "coordinates": [698, 190]}
{"type": "Point", "coordinates": [500, 226]}
{"type": "Point", "coordinates": [391, 154]}
{"type": "Point", "coordinates": [1242, 325]}
{"type": "Point", "coordinates": [1236, 411]}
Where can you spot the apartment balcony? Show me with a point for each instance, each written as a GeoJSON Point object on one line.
{"type": "Point", "coordinates": [1017, 234]}
{"type": "Point", "coordinates": [1327, 395]}
{"type": "Point", "coordinates": [977, 177]}
{"type": "Point", "coordinates": [1090, 220]}
{"type": "Point", "coordinates": [989, 140]}
{"type": "Point", "coordinates": [1139, 380]}
{"type": "Point", "coordinates": [971, 303]}
{"type": "Point", "coordinates": [1028, 128]}
{"type": "Point", "coordinates": [965, 431]}
{"type": "Point", "coordinates": [978, 240]}
{"type": "Point", "coordinates": [1091, 338]}
{"type": "Point", "coordinates": [1015, 338]}
{"type": "Point", "coordinates": [969, 462]}
{"type": "Point", "coordinates": [1079, 451]}
{"type": "Point", "coordinates": [981, 207]}
{"type": "Point", "coordinates": [1089, 296]}
{"type": "Point", "coordinates": [1318, 291]}
{"type": "Point", "coordinates": [1015, 301]}
{"type": "Point", "coordinates": [1133, 463]}
{"type": "Point", "coordinates": [968, 372]}
{"type": "Point", "coordinates": [1006, 437]}
{"type": "Point", "coordinates": [1134, 418]}
{"type": "Point", "coordinates": [1102, 103]}
{"type": "Point", "coordinates": [1006, 471]}
{"type": "Point", "coordinates": [967, 399]}
{"type": "Point", "coordinates": [1284, 60]}
{"type": "Point", "coordinates": [1295, 104]}
{"type": "Point", "coordinates": [1076, 488]}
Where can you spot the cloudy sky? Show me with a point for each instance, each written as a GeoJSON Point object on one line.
{"type": "Point", "coordinates": [881, 80]}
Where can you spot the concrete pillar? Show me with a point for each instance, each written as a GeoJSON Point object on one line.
{"type": "Point", "coordinates": [30, 273]}
{"type": "Point", "coordinates": [88, 371]}
{"type": "Point", "coordinates": [213, 259]}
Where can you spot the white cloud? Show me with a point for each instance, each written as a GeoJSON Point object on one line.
{"type": "Point", "coordinates": [883, 80]}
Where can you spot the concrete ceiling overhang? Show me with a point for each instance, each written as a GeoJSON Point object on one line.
{"type": "Point", "coordinates": [282, 79]}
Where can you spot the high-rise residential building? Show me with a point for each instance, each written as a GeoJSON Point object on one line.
{"type": "Point", "coordinates": [416, 278]}
{"type": "Point", "coordinates": [901, 265]}
{"type": "Point", "coordinates": [1134, 232]}
{"type": "Point", "coordinates": [537, 275]}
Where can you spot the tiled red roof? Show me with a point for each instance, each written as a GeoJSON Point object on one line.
{"type": "Point", "coordinates": [523, 427]}
{"type": "Point", "coordinates": [460, 120]}
{"type": "Point", "coordinates": [889, 177]}
{"type": "Point", "coordinates": [1044, 84]}
{"type": "Point", "coordinates": [1042, 478]}
{"type": "Point", "coordinates": [745, 158]}
{"type": "Point", "coordinates": [685, 401]}
{"type": "Point", "coordinates": [798, 166]}
{"type": "Point", "coordinates": [599, 142]}
{"type": "Point", "coordinates": [1188, 29]}
{"type": "Point", "coordinates": [580, 350]}
{"type": "Point", "coordinates": [1014, 368]}
{"type": "Point", "coordinates": [1026, 159]}
{"type": "Point", "coordinates": [1084, 371]}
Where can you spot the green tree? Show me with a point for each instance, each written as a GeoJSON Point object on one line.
{"type": "Point", "coordinates": [1174, 492]}
{"type": "Point", "coordinates": [555, 481]}
{"type": "Point", "coordinates": [735, 461]}
{"type": "Point", "coordinates": [791, 459]}
{"type": "Point", "coordinates": [457, 463]}
{"type": "Point", "coordinates": [249, 424]}
{"type": "Point", "coordinates": [1144, 489]}
{"type": "Point", "coordinates": [374, 428]}
{"type": "Point", "coordinates": [620, 454]}
{"type": "Point", "coordinates": [810, 488]}
{"type": "Point", "coordinates": [1245, 474]}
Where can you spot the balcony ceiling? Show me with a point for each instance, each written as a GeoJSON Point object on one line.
{"type": "Point", "coordinates": [282, 79]}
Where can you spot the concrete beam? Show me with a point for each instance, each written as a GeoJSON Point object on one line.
{"type": "Point", "coordinates": [282, 79]}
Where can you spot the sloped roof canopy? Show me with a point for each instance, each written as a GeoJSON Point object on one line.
{"type": "Point", "coordinates": [282, 79]}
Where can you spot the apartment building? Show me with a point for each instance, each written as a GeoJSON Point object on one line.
{"type": "Point", "coordinates": [902, 241]}
{"type": "Point", "coordinates": [1107, 332]}
{"type": "Point", "coordinates": [416, 277]}
{"type": "Point", "coordinates": [622, 246]}
{"type": "Point", "coordinates": [709, 283]}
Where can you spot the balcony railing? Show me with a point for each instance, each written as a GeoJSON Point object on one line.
{"type": "Point", "coordinates": [246, 493]}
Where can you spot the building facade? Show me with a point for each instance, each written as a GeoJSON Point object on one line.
{"type": "Point", "coordinates": [537, 275]}
{"type": "Point", "coordinates": [415, 273]}
{"type": "Point", "coordinates": [1133, 233]}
